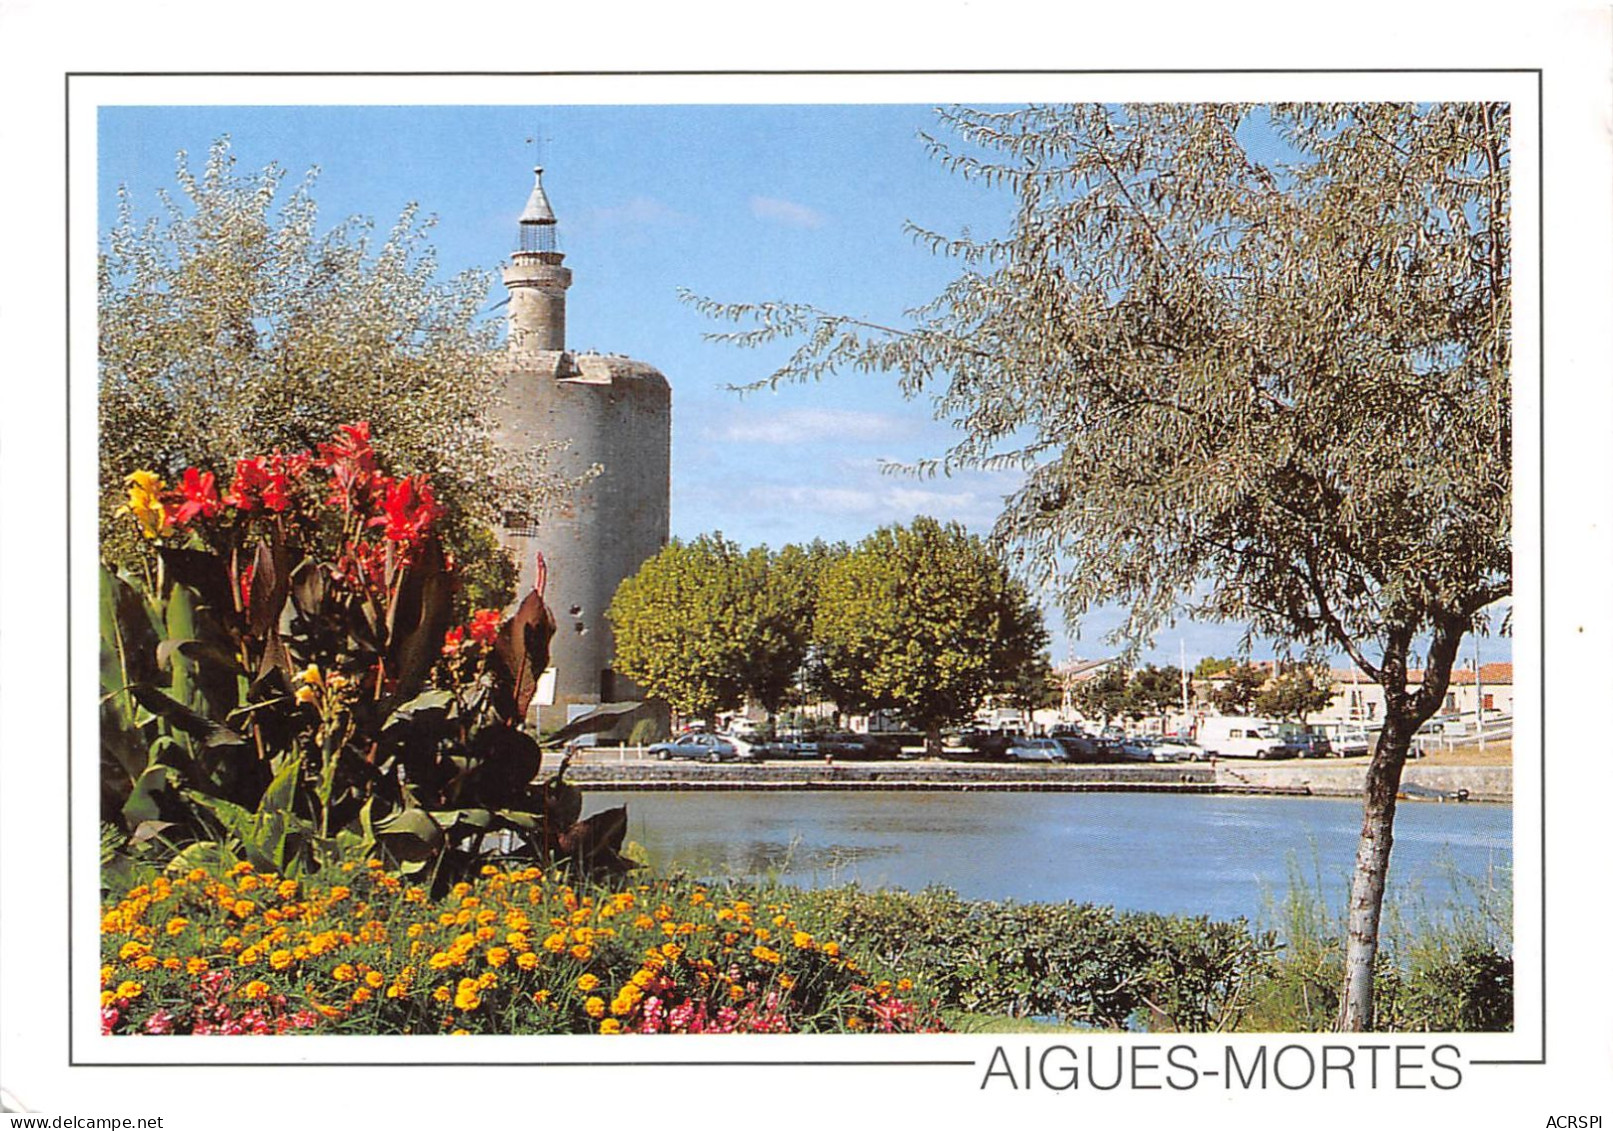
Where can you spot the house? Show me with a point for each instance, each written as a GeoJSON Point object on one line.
{"type": "Point", "coordinates": [1358, 701]}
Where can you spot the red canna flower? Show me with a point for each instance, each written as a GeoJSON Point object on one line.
{"type": "Point", "coordinates": [351, 463]}
{"type": "Point", "coordinates": [200, 496]}
{"type": "Point", "coordinates": [408, 509]}
{"type": "Point", "coordinates": [452, 642]}
{"type": "Point", "coordinates": [484, 626]}
{"type": "Point", "coordinates": [251, 476]}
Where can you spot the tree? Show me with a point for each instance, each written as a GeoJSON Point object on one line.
{"type": "Point", "coordinates": [1235, 693]}
{"type": "Point", "coordinates": [1103, 697]}
{"type": "Point", "coordinates": [1256, 364]}
{"type": "Point", "coordinates": [923, 620]}
{"type": "Point", "coordinates": [233, 330]}
{"type": "Point", "coordinates": [793, 581]}
{"type": "Point", "coordinates": [685, 624]}
{"type": "Point", "coordinates": [1295, 693]}
{"type": "Point", "coordinates": [1213, 666]}
{"type": "Point", "coordinates": [1153, 690]}
{"type": "Point", "coordinates": [1031, 686]}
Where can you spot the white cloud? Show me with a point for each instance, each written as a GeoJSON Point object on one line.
{"type": "Point", "coordinates": [881, 503]}
{"type": "Point", "coordinates": [811, 425]}
{"type": "Point", "coordinates": [638, 212]}
{"type": "Point", "coordinates": [786, 212]}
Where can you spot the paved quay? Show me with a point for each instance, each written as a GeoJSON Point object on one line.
{"type": "Point", "coordinates": [1303, 779]}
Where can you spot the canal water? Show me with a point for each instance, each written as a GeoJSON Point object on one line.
{"type": "Point", "coordinates": [1216, 855]}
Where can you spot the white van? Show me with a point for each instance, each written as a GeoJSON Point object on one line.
{"type": "Point", "coordinates": [1228, 736]}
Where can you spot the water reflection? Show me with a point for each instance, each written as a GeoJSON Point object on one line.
{"type": "Point", "coordinates": [1215, 855]}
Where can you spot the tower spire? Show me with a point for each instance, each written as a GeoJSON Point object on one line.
{"type": "Point", "coordinates": [536, 280]}
{"type": "Point", "coordinates": [537, 219]}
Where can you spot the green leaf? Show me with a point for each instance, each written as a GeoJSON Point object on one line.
{"type": "Point", "coordinates": [410, 835]}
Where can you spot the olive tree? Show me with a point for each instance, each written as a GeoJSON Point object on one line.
{"type": "Point", "coordinates": [1255, 365]}
{"type": "Point", "coordinates": [236, 326]}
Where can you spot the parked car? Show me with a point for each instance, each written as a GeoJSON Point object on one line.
{"type": "Point", "coordinates": [1036, 750]}
{"type": "Point", "coordinates": [1352, 744]}
{"type": "Point", "coordinates": [1309, 745]}
{"type": "Point", "coordinates": [1141, 750]}
{"type": "Point", "coordinates": [700, 746]}
{"type": "Point", "coordinates": [1082, 747]}
{"type": "Point", "coordinates": [851, 746]}
{"type": "Point", "coordinates": [1180, 750]}
{"type": "Point", "coordinates": [986, 744]}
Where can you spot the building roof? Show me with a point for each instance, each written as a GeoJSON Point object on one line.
{"type": "Point", "coordinates": [537, 209]}
{"type": "Point", "coordinates": [1492, 675]}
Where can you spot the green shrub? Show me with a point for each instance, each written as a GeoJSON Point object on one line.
{"type": "Point", "coordinates": [1070, 962]}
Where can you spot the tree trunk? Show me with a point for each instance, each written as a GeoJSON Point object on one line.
{"type": "Point", "coordinates": [932, 742]}
{"type": "Point", "coordinates": [1372, 873]}
{"type": "Point", "coordinates": [1403, 714]}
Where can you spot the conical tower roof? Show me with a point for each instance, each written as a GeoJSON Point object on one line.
{"type": "Point", "coordinates": [537, 209]}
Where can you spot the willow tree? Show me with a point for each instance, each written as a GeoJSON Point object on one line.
{"type": "Point", "coordinates": [238, 326]}
{"type": "Point", "coordinates": [1254, 363]}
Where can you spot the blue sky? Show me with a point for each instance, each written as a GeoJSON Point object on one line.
{"type": "Point", "coordinates": [738, 203]}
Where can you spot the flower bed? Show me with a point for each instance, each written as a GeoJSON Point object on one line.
{"type": "Point", "coordinates": [517, 951]}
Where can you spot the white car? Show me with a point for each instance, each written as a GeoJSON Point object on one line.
{"type": "Point", "coordinates": [1180, 750]}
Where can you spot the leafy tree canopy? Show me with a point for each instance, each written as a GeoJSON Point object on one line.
{"type": "Point", "coordinates": [1235, 692]}
{"type": "Point", "coordinates": [925, 621]}
{"type": "Point", "coordinates": [1261, 383]}
{"type": "Point", "coordinates": [1296, 693]}
{"type": "Point", "coordinates": [706, 625]}
{"type": "Point", "coordinates": [235, 327]}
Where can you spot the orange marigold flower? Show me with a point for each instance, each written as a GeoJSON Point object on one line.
{"type": "Point", "coordinates": [254, 990]}
{"type": "Point", "coordinates": [582, 953]}
{"type": "Point", "coordinates": [594, 1007]}
{"type": "Point", "coordinates": [802, 940]}
{"type": "Point", "coordinates": [344, 973]}
{"type": "Point", "coordinates": [526, 960]}
{"type": "Point", "coordinates": [375, 979]}
{"type": "Point", "coordinates": [129, 990]}
{"type": "Point", "coordinates": [610, 1025]}
{"type": "Point", "coordinates": [362, 995]}
{"type": "Point", "coordinates": [195, 966]}
{"type": "Point", "coordinates": [177, 925]}
{"type": "Point", "coordinates": [280, 959]}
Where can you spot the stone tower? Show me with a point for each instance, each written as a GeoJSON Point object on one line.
{"type": "Point", "coordinates": [599, 409]}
